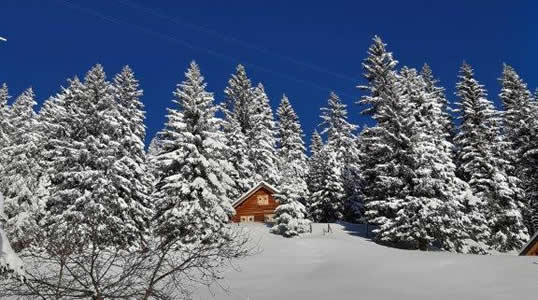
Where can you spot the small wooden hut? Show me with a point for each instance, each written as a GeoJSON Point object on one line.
{"type": "Point", "coordinates": [256, 205]}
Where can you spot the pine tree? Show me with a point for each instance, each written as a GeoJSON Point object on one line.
{"type": "Point", "coordinates": [131, 174]}
{"type": "Point", "coordinates": [4, 125]}
{"type": "Point", "coordinates": [353, 189]}
{"type": "Point", "coordinates": [239, 99]}
{"type": "Point", "coordinates": [191, 194]}
{"type": "Point", "coordinates": [154, 146]}
{"type": "Point", "coordinates": [290, 214]}
{"type": "Point", "coordinates": [291, 149]}
{"type": "Point", "coordinates": [517, 104]}
{"type": "Point", "coordinates": [243, 169]}
{"type": "Point", "coordinates": [20, 113]}
{"type": "Point", "coordinates": [481, 163]}
{"type": "Point", "coordinates": [316, 143]}
{"type": "Point", "coordinates": [518, 130]}
{"type": "Point", "coordinates": [315, 169]}
{"type": "Point", "coordinates": [433, 211]}
{"type": "Point", "coordinates": [327, 200]}
{"type": "Point", "coordinates": [10, 264]}
{"type": "Point", "coordinates": [339, 131]}
{"type": "Point", "coordinates": [530, 169]}
{"type": "Point", "coordinates": [342, 140]}
{"type": "Point", "coordinates": [250, 130]}
{"type": "Point", "coordinates": [439, 93]}
{"type": "Point", "coordinates": [262, 139]}
{"type": "Point", "coordinates": [379, 68]}
{"type": "Point", "coordinates": [59, 121]}
{"type": "Point", "coordinates": [290, 135]}
{"type": "Point", "coordinates": [88, 203]}
{"type": "Point", "coordinates": [4, 113]}
{"type": "Point", "coordinates": [385, 147]}
{"type": "Point", "coordinates": [22, 171]}
{"type": "Point", "coordinates": [237, 126]}
{"type": "Point", "coordinates": [314, 161]}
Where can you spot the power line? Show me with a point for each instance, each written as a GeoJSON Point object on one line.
{"type": "Point", "coordinates": [237, 41]}
{"type": "Point", "coordinates": [196, 47]}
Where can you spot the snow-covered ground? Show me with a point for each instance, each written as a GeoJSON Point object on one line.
{"type": "Point", "coordinates": [346, 265]}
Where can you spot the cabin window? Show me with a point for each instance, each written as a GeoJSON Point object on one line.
{"type": "Point", "coordinates": [263, 199]}
{"type": "Point", "coordinates": [247, 219]}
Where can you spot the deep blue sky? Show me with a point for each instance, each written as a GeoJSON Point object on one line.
{"type": "Point", "coordinates": [301, 48]}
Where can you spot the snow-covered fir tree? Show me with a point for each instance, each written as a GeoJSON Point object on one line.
{"type": "Point", "coordinates": [519, 129]}
{"type": "Point", "coordinates": [531, 159]}
{"type": "Point", "coordinates": [250, 130]}
{"type": "Point", "coordinates": [21, 173]}
{"type": "Point", "coordinates": [130, 173]}
{"type": "Point", "coordinates": [191, 199]}
{"type": "Point", "coordinates": [154, 146]}
{"type": "Point", "coordinates": [482, 165]}
{"type": "Point", "coordinates": [408, 174]}
{"type": "Point", "coordinates": [238, 155]}
{"type": "Point", "coordinates": [10, 264]}
{"type": "Point", "coordinates": [291, 149]}
{"type": "Point", "coordinates": [315, 170]}
{"type": "Point", "coordinates": [262, 139]}
{"type": "Point", "coordinates": [517, 103]}
{"type": "Point", "coordinates": [439, 93]}
{"type": "Point", "coordinates": [335, 124]}
{"type": "Point", "coordinates": [21, 113]}
{"type": "Point", "coordinates": [88, 203]}
{"type": "Point", "coordinates": [290, 215]}
{"type": "Point", "coordinates": [326, 202]}
{"type": "Point", "coordinates": [432, 214]}
{"type": "Point", "coordinates": [379, 69]}
{"type": "Point", "coordinates": [237, 125]}
{"type": "Point", "coordinates": [239, 99]}
{"type": "Point", "coordinates": [342, 140]}
{"type": "Point", "coordinates": [153, 151]}
{"type": "Point", "coordinates": [290, 135]}
{"type": "Point", "coordinates": [316, 143]}
{"type": "Point", "coordinates": [4, 110]}
{"type": "Point", "coordinates": [385, 147]}
{"type": "Point", "coordinates": [4, 124]}
{"type": "Point", "coordinates": [530, 169]}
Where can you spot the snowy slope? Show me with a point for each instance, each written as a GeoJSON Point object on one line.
{"type": "Point", "coordinates": [344, 265]}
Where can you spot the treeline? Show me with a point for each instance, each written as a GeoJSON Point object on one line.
{"type": "Point", "coordinates": [76, 176]}
{"type": "Point", "coordinates": [424, 181]}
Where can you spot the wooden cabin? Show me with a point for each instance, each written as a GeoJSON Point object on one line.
{"type": "Point", "coordinates": [256, 205]}
{"type": "Point", "coordinates": [531, 249]}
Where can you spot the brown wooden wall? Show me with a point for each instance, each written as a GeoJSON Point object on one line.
{"type": "Point", "coordinates": [250, 207]}
{"type": "Point", "coordinates": [534, 250]}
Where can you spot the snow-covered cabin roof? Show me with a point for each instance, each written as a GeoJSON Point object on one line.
{"type": "Point", "coordinates": [253, 190]}
{"type": "Point", "coordinates": [533, 241]}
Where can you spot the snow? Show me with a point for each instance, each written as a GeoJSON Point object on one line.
{"type": "Point", "coordinates": [8, 258]}
{"type": "Point", "coordinates": [346, 265]}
